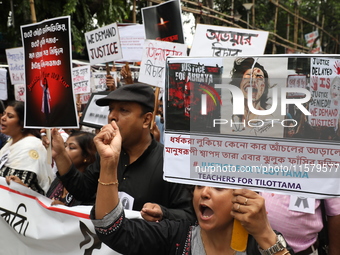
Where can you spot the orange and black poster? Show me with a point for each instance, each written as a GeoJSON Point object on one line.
{"type": "Point", "coordinates": [48, 76]}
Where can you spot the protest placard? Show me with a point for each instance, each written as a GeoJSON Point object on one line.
{"type": "Point", "coordinates": [218, 41]}
{"type": "Point", "coordinates": [132, 38]}
{"type": "Point", "coordinates": [313, 41]}
{"type": "Point", "coordinates": [235, 122]}
{"type": "Point", "coordinates": [16, 66]}
{"type": "Point", "coordinates": [325, 89]}
{"type": "Point", "coordinates": [19, 92]}
{"type": "Point", "coordinates": [49, 93]}
{"type": "Point", "coordinates": [93, 115]}
{"type": "Point", "coordinates": [81, 79]}
{"type": "Point", "coordinates": [152, 70]}
{"type": "Point", "coordinates": [3, 84]}
{"type": "Point", "coordinates": [99, 80]}
{"type": "Point", "coordinates": [103, 44]}
{"type": "Point", "coordinates": [163, 22]}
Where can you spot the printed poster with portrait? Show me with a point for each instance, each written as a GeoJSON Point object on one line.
{"type": "Point", "coordinates": [253, 122]}
{"type": "Point", "coordinates": [264, 76]}
{"type": "Point", "coordinates": [50, 100]}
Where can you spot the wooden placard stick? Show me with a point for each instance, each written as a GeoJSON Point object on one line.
{"type": "Point", "coordinates": [127, 75]}
{"type": "Point", "coordinates": [156, 106]}
{"type": "Point", "coordinates": [49, 148]}
{"type": "Point", "coordinates": [110, 82]}
{"type": "Point", "coordinates": [107, 69]}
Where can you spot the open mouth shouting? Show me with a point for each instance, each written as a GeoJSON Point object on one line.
{"type": "Point", "coordinates": [205, 212]}
{"type": "Point", "coordinates": [254, 90]}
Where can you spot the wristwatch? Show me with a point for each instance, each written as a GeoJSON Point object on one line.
{"type": "Point", "coordinates": [279, 246]}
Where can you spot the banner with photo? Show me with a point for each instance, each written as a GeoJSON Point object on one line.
{"type": "Point", "coordinates": [249, 122]}
{"type": "Point", "coordinates": [218, 41]}
{"type": "Point", "coordinates": [50, 100]}
{"type": "Point", "coordinates": [16, 66]}
{"type": "Point", "coordinates": [30, 225]}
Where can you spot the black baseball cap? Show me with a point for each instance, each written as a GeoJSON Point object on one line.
{"type": "Point", "coordinates": [137, 92]}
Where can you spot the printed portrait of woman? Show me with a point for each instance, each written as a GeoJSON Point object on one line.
{"type": "Point", "coordinates": [247, 74]}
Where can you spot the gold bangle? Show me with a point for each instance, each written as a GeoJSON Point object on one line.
{"type": "Point", "coordinates": [107, 183]}
{"type": "Point", "coordinates": [285, 253]}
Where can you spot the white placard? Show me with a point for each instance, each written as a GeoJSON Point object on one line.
{"type": "Point", "coordinates": [15, 60]}
{"type": "Point", "coordinates": [132, 41]}
{"type": "Point", "coordinates": [81, 79]}
{"type": "Point", "coordinates": [3, 84]}
{"type": "Point", "coordinates": [152, 70]}
{"type": "Point", "coordinates": [218, 41]}
{"type": "Point", "coordinates": [325, 89]}
{"type": "Point", "coordinates": [103, 44]}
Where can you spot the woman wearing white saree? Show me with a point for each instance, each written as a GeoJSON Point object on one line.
{"type": "Point", "coordinates": [23, 159]}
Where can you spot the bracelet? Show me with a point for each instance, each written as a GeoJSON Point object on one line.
{"type": "Point", "coordinates": [107, 183]}
{"type": "Point", "coordinates": [287, 252]}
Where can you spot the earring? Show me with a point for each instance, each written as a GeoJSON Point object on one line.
{"type": "Point", "coordinates": [85, 160]}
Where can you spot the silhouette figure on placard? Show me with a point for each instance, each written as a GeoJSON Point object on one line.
{"type": "Point", "coordinates": [46, 98]}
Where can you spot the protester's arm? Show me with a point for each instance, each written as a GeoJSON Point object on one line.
{"type": "Point", "coordinates": [16, 179]}
{"type": "Point", "coordinates": [125, 72]}
{"type": "Point", "coordinates": [110, 82]}
{"type": "Point", "coordinates": [181, 203]}
{"type": "Point", "coordinates": [108, 142]}
{"type": "Point", "coordinates": [59, 153]}
{"type": "Point", "coordinates": [249, 208]}
{"type": "Point", "coordinates": [333, 223]}
{"type": "Point", "coordinates": [82, 186]}
{"type": "Point", "coordinates": [136, 236]}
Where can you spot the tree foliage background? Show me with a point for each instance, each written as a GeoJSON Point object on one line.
{"type": "Point", "coordinates": [86, 15]}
